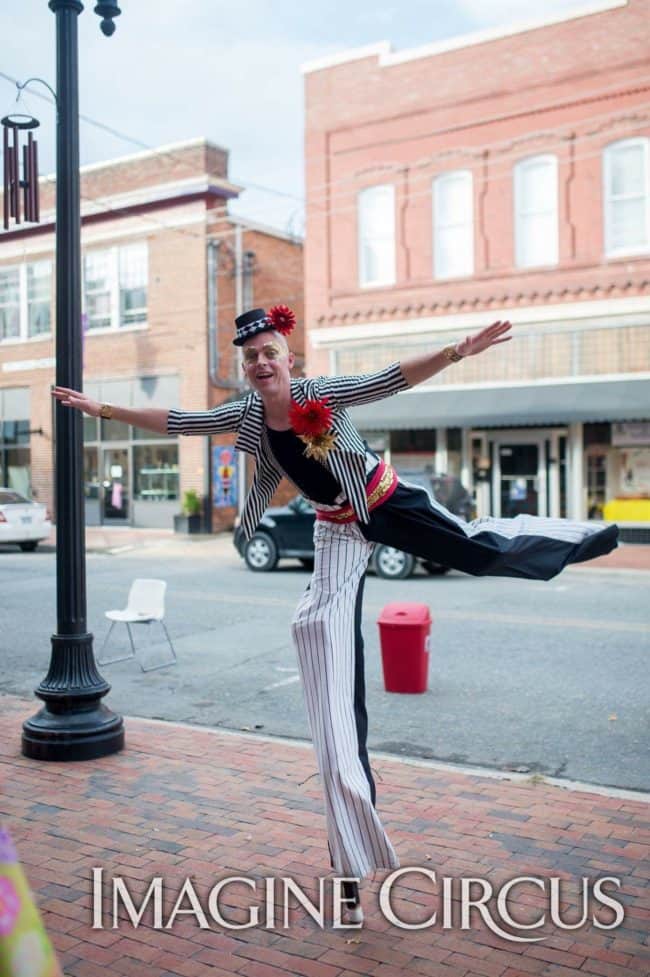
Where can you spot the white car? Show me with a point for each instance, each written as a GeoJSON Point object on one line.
{"type": "Point", "coordinates": [22, 521]}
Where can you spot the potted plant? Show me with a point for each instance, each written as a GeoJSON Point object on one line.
{"type": "Point", "coordinates": [189, 521]}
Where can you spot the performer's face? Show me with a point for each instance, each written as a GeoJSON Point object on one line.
{"type": "Point", "coordinates": [267, 363]}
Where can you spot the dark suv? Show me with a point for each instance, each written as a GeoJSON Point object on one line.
{"type": "Point", "coordinates": [287, 531]}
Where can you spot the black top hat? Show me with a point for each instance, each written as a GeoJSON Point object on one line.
{"type": "Point", "coordinates": [249, 324]}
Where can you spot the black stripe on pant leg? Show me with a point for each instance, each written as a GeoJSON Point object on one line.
{"type": "Point", "coordinates": [360, 712]}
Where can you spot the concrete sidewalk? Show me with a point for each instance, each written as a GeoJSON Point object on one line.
{"type": "Point", "coordinates": [185, 802]}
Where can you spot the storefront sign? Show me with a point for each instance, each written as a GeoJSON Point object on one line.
{"type": "Point", "coordinates": [631, 432]}
{"type": "Point", "coordinates": [224, 476]}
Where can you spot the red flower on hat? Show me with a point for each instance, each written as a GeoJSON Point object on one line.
{"type": "Point", "coordinates": [282, 318]}
{"type": "Point", "coordinates": [312, 419]}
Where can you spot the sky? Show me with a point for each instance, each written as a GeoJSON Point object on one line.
{"type": "Point", "coordinates": [181, 69]}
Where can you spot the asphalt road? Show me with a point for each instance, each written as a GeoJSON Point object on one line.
{"type": "Point", "coordinates": [545, 677]}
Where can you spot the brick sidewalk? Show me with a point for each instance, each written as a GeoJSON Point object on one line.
{"type": "Point", "coordinates": [183, 802]}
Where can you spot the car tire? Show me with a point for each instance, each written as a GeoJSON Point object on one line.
{"type": "Point", "coordinates": [261, 553]}
{"type": "Point", "coordinates": [393, 564]}
{"type": "Point", "coordinates": [307, 562]}
{"type": "Point", "coordinates": [435, 569]}
{"type": "Point", "coordinates": [29, 545]}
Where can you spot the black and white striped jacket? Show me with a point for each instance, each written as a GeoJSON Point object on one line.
{"type": "Point", "coordinates": [347, 460]}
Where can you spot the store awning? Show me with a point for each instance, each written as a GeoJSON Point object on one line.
{"type": "Point", "coordinates": [542, 402]}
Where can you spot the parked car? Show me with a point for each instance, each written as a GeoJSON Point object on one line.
{"type": "Point", "coordinates": [287, 531]}
{"type": "Point", "coordinates": [23, 521]}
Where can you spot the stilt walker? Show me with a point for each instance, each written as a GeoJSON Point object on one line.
{"type": "Point", "coordinates": [300, 429]}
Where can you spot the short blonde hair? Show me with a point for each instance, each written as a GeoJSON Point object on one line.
{"type": "Point", "coordinates": [283, 339]}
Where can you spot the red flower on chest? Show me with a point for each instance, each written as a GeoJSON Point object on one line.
{"type": "Point", "coordinates": [311, 419]}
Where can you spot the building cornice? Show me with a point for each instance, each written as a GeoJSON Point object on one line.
{"type": "Point", "coordinates": [386, 56]}
{"type": "Point", "coordinates": [458, 320]}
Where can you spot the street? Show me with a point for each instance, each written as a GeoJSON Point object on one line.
{"type": "Point", "coordinates": [541, 677]}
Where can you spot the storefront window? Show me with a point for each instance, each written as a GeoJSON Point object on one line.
{"type": "Point", "coordinates": [113, 430]}
{"type": "Point", "coordinates": [91, 428]}
{"type": "Point", "coordinates": [155, 472]}
{"type": "Point", "coordinates": [413, 450]}
{"type": "Point", "coordinates": [596, 484]}
{"type": "Point", "coordinates": [14, 456]}
{"type": "Point", "coordinates": [142, 434]}
{"type": "Point", "coordinates": [91, 473]}
{"type": "Point", "coordinates": [454, 451]}
{"type": "Point", "coordinates": [14, 469]}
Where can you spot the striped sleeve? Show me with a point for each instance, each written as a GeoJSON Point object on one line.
{"type": "Point", "coordinates": [364, 388]}
{"type": "Point", "coordinates": [217, 420]}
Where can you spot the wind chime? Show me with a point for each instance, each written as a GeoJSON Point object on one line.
{"type": "Point", "coordinates": [14, 187]}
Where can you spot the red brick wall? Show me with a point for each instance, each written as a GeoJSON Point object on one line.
{"type": "Point", "coordinates": [277, 280]}
{"type": "Point", "coordinates": [177, 337]}
{"type": "Point", "coordinates": [481, 107]}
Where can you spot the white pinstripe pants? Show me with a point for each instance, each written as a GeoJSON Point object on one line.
{"type": "Point", "coordinates": [323, 631]}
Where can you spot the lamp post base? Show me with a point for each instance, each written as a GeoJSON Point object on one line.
{"type": "Point", "coordinates": [73, 724]}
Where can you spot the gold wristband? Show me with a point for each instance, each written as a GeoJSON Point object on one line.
{"type": "Point", "coordinates": [452, 355]}
{"type": "Point", "coordinates": [106, 411]}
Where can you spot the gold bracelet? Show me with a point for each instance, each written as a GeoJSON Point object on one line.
{"type": "Point", "coordinates": [452, 355]}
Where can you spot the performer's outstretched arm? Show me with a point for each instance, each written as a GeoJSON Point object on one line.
{"type": "Point", "coordinates": [364, 388]}
{"type": "Point", "coordinates": [162, 420]}
{"type": "Point", "coordinates": [419, 368]}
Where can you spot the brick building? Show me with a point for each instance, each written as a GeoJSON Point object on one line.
{"type": "Point", "coordinates": [165, 270]}
{"type": "Point", "coordinates": [500, 175]}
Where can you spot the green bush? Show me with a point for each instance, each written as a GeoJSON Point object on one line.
{"type": "Point", "coordinates": [191, 503]}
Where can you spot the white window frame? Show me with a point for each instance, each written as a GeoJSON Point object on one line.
{"type": "Point", "coordinates": [608, 153]}
{"type": "Point", "coordinates": [437, 186]}
{"type": "Point", "coordinates": [23, 335]}
{"type": "Point", "coordinates": [113, 253]}
{"type": "Point", "coordinates": [389, 237]}
{"type": "Point", "coordinates": [519, 170]}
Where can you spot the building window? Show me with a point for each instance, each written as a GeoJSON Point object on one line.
{"type": "Point", "coordinates": [133, 284]}
{"type": "Point", "coordinates": [536, 219]}
{"type": "Point", "coordinates": [97, 289]}
{"type": "Point", "coordinates": [155, 470]}
{"type": "Point", "coordinates": [39, 298]}
{"type": "Point", "coordinates": [15, 456]}
{"type": "Point", "coordinates": [626, 195]}
{"type": "Point", "coordinates": [376, 235]}
{"type": "Point", "coordinates": [453, 233]}
{"type": "Point", "coordinates": [26, 300]}
{"type": "Point", "coordinates": [115, 286]}
{"type": "Point", "coordinates": [9, 303]}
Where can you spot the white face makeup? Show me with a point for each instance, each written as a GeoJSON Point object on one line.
{"type": "Point", "coordinates": [270, 350]}
{"type": "Point", "coordinates": [267, 362]}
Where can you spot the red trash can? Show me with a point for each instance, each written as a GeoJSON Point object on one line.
{"type": "Point", "coordinates": [404, 635]}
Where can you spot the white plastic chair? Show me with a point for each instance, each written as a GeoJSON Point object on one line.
{"type": "Point", "coordinates": [146, 603]}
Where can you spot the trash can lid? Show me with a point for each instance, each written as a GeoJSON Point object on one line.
{"type": "Point", "coordinates": [405, 614]}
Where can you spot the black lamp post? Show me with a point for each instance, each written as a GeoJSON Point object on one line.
{"type": "Point", "coordinates": [73, 724]}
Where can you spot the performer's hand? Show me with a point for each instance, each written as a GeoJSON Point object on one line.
{"type": "Point", "coordinates": [75, 398]}
{"type": "Point", "coordinates": [485, 338]}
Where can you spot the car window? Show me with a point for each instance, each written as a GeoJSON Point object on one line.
{"type": "Point", "coordinates": [8, 497]}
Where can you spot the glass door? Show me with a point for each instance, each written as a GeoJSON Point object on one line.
{"type": "Point", "coordinates": [115, 485]}
{"type": "Point", "coordinates": [520, 478]}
